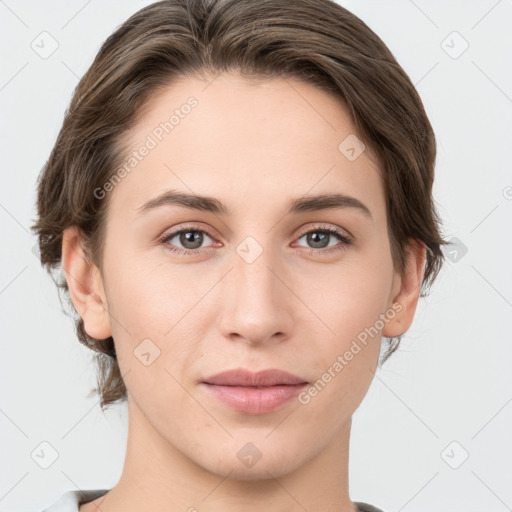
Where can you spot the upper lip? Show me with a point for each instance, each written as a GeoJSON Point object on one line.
{"type": "Point", "coordinates": [243, 377]}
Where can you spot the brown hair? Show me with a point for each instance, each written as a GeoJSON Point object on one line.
{"type": "Point", "coordinates": [317, 41]}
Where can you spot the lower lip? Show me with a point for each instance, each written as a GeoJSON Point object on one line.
{"type": "Point", "coordinates": [254, 400]}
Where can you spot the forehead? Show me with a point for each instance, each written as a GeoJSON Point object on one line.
{"type": "Point", "coordinates": [245, 142]}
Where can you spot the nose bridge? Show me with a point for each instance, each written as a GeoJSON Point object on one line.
{"type": "Point", "coordinates": [252, 267]}
{"type": "Point", "coordinates": [256, 307]}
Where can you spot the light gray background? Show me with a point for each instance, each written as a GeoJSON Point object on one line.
{"type": "Point", "coordinates": [450, 381]}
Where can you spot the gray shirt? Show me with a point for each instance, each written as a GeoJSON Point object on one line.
{"type": "Point", "coordinates": [71, 501]}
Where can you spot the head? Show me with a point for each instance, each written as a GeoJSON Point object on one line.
{"type": "Point", "coordinates": [259, 106]}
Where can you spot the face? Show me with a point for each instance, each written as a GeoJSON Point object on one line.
{"type": "Point", "coordinates": [254, 283]}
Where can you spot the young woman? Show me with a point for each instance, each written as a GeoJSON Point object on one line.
{"type": "Point", "coordinates": [240, 199]}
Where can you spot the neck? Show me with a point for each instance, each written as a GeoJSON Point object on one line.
{"type": "Point", "coordinates": [157, 476]}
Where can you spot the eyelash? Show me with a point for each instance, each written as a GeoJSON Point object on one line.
{"type": "Point", "coordinates": [346, 241]}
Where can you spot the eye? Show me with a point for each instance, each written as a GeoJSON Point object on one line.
{"type": "Point", "coordinates": [191, 240]}
{"type": "Point", "coordinates": [321, 236]}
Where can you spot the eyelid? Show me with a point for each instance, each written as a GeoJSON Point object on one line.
{"type": "Point", "coordinates": [323, 227]}
{"type": "Point", "coordinates": [344, 240]}
{"type": "Point", "coordinates": [184, 228]}
{"type": "Point", "coordinates": [192, 226]}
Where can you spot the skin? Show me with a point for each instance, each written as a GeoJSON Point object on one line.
{"type": "Point", "coordinates": [211, 311]}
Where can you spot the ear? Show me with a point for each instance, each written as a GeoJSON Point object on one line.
{"type": "Point", "coordinates": [406, 290]}
{"type": "Point", "coordinates": [85, 286]}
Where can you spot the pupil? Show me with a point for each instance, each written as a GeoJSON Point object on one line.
{"type": "Point", "coordinates": [318, 239]}
{"type": "Point", "coordinates": [191, 237]}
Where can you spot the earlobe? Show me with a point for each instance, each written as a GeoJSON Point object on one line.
{"type": "Point", "coordinates": [405, 301]}
{"type": "Point", "coordinates": [85, 286]}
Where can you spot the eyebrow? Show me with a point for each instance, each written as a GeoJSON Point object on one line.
{"type": "Point", "coordinates": [211, 204]}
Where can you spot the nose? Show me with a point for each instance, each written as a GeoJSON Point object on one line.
{"type": "Point", "coordinates": [257, 301]}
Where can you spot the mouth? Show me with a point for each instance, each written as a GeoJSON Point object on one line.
{"type": "Point", "coordinates": [254, 393]}
{"type": "Point", "coordinates": [246, 378]}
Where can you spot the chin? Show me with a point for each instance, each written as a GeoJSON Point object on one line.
{"type": "Point", "coordinates": [276, 465]}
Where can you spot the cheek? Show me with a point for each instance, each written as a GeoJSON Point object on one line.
{"type": "Point", "coordinates": [147, 297]}
{"type": "Point", "coordinates": [347, 298]}
{"type": "Point", "coordinates": [153, 308]}
{"type": "Point", "coordinates": [349, 302]}
{"type": "Point", "coordinates": [346, 351]}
